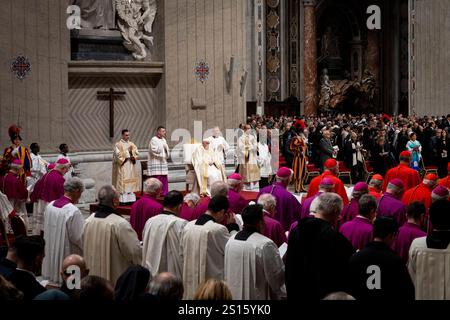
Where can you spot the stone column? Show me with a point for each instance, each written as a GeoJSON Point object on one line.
{"type": "Point", "coordinates": [310, 67]}
{"type": "Point", "coordinates": [372, 54]}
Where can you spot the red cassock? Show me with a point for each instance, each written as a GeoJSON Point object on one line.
{"type": "Point", "coordinates": [410, 177]}
{"type": "Point", "coordinates": [445, 182]}
{"type": "Point", "coordinates": [374, 193]}
{"type": "Point", "coordinates": [420, 193]}
{"type": "Point", "coordinates": [339, 188]}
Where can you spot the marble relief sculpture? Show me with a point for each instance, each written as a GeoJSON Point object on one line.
{"type": "Point", "coordinates": [135, 21]}
{"type": "Point", "coordinates": [326, 90]}
{"type": "Point", "coordinates": [96, 14]}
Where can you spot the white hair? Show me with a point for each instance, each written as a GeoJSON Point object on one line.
{"type": "Point", "coordinates": [73, 184]}
{"type": "Point", "coordinates": [268, 201]}
{"type": "Point", "coordinates": [106, 195]}
{"type": "Point", "coordinates": [393, 188]}
{"type": "Point", "coordinates": [233, 183]}
{"type": "Point", "coordinates": [195, 198]}
{"type": "Point", "coordinates": [329, 203]}
{"type": "Point", "coordinates": [152, 186]}
{"type": "Point", "coordinates": [219, 188]}
{"type": "Point", "coordinates": [60, 166]}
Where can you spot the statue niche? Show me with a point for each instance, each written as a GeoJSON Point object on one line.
{"type": "Point", "coordinates": [96, 14]}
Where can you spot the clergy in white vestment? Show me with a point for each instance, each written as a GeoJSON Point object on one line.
{"type": "Point", "coordinates": [253, 266]}
{"type": "Point", "coordinates": [124, 176]}
{"type": "Point", "coordinates": [247, 153]}
{"type": "Point", "coordinates": [219, 144]}
{"type": "Point", "coordinates": [63, 230]}
{"type": "Point", "coordinates": [162, 236]}
{"type": "Point", "coordinates": [203, 244]}
{"type": "Point", "coordinates": [158, 153]}
{"type": "Point", "coordinates": [110, 245]}
{"type": "Point", "coordinates": [64, 154]}
{"type": "Point", "coordinates": [6, 209]}
{"type": "Point", "coordinates": [208, 168]}
{"type": "Point", "coordinates": [429, 256]}
{"type": "Point", "coordinates": [38, 168]}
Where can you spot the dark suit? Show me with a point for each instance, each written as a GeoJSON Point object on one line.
{"type": "Point", "coordinates": [316, 261]}
{"type": "Point", "coordinates": [395, 282]}
{"type": "Point", "coordinates": [325, 151]}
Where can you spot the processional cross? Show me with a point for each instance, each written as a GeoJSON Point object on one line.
{"type": "Point", "coordinates": [112, 95]}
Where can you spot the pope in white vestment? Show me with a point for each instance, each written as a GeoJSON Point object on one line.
{"type": "Point", "coordinates": [254, 269]}
{"type": "Point", "coordinates": [161, 241]}
{"type": "Point", "coordinates": [219, 144]}
{"type": "Point", "coordinates": [208, 168]}
{"type": "Point", "coordinates": [124, 177]}
{"type": "Point", "coordinates": [63, 230]}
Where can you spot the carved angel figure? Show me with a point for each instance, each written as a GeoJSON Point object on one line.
{"type": "Point", "coordinates": [135, 21]}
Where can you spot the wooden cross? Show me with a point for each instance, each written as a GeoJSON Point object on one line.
{"type": "Point", "coordinates": [112, 95]}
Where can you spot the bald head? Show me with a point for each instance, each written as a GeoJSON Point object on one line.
{"type": "Point", "coordinates": [74, 260]}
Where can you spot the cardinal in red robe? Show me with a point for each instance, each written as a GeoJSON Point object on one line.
{"type": "Point", "coordinates": [376, 186]}
{"type": "Point", "coordinates": [409, 176]}
{"type": "Point", "coordinates": [331, 170]}
{"type": "Point", "coordinates": [446, 181]}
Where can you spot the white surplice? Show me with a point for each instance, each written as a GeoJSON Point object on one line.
{"type": "Point", "coordinates": [63, 230]}
{"type": "Point", "coordinates": [161, 241]}
{"type": "Point", "coordinates": [110, 246]}
{"type": "Point", "coordinates": [158, 153]}
{"type": "Point", "coordinates": [203, 254]}
{"type": "Point", "coordinates": [429, 271]}
{"type": "Point", "coordinates": [254, 269]}
{"type": "Point", "coordinates": [220, 146]}
{"type": "Point", "coordinates": [38, 169]}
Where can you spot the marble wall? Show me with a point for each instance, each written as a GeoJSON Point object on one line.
{"type": "Point", "coordinates": [429, 57]}
{"type": "Point", "coordinates": [213, 31]}
{"type": "Point", "coordinates": [36, 29]}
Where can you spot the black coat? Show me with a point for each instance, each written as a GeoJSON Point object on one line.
{"type": "Point", "coordinates": [325, 151]}
{"type": "Point", "coordinates": [316, 261]}
{"type": "Point", "coordinates": [395, 281]}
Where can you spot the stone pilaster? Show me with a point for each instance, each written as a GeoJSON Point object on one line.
{"type": "Point", "coordinates": [310, 67]}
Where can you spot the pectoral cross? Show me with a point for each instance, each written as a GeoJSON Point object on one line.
{"type": "Point", "coordinates": [112, 96]}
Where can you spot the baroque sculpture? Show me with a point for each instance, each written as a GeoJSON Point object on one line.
{"type": "Point", "coordinates": [326, 90]}
{"type": "Point", "coordinates": [96, 14]}
{"type": "Point", "coordinates": [135, 21]}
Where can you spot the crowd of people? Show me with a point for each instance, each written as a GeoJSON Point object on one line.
{"type": "Point", "coordinates": [387, 239]}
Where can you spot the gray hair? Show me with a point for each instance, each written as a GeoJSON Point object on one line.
{"type": "Point", "coordinates": [376, 183]}
{"type": "Point", "coordinates": [73, 184]}
{"type": "Point", "coordinates": [329, 203]}
{"type": "Point", "coordinates": [393, 188]}
{"type": "Point", "coordinates": [219, 188]}
{"type": "Point", "coordinates": [195, 198]}
{"type": "Point", "coordinates": [60, 166]}
{"type": "Point", "coordinates": [233, 183]}
{"type": "Point", "coordinates": [367, 203]}
{"type": "Point", "coordinates": [339, 296]}
{"type": "Point", "coordinates": [268, 201]}
{"type": "Point", "coordinates": [152, 186]}
{"type": "Point", "coordinates": [106, 195]}
{"type": "Point", "coordinates": [167, 287]}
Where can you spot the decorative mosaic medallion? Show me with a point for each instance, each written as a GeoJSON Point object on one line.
{"type": "Point", "coordinates": [202, 71]}
{"type": "Point", "coordinates": [21, 67]}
